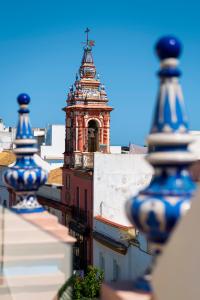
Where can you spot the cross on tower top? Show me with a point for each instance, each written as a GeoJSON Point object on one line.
{"type": "Point", "coordinates": [87, 35]}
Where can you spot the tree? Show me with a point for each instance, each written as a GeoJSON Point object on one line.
{"type": "Point", "coordinates": [83, 288]}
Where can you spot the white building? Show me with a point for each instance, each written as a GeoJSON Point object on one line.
{"type": "Point", "coordinates": [120, 251]}
{"type": "Point", "coordinates": [53, 149]}
{"type": "Point", "coordinates": [39, 134]}
{"type": "Point", "coordinates": [118, 248]}
{"type": "Point", "coordinates": [7, 135]}
{"type": "Point", "coordinates": [49, 195]}
{"type": "Point", "coordinates": [115, 149]}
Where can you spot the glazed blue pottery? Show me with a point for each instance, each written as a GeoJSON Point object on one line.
{"type": "Point", "coordinates": [156, 210]}
{"type": "Point", "coordinates": [25, 176]}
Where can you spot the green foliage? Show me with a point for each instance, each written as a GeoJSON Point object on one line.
{"type": "Point", "coordinates": [84, 288]}
{"type": "Point", "coordinates": [65, 292]}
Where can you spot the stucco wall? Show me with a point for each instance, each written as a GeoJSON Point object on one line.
{"type": "Point", "coordinates": [55, 142]}
{"type": "Point", "coordinates": [110, 231]}
{"type": "Point", "coordinates": [117, 177]}
{"type": "Point", "coordinates": [115, 149]}
{"type": "Point", "coordinates": [50, 192]}
{"type": "Point", "coordinates": [131, 265]}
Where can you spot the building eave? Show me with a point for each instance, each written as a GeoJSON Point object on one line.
{"type": "Point", "coordinates": [88, 107]}
{"type": "Point", "coordinates": [110, 243]}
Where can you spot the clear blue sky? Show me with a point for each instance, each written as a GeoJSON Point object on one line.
{"type": "Point", "coordinates": [40, 52]}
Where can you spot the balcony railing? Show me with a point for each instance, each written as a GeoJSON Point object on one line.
{"type": "Point", "coordinates": [84, 160]}
{"type": "Point", "coordinates": [79, 263]}
{"type": "Point", "coordinates": [78, 159]}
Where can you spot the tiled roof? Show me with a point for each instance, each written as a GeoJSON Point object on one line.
{"type": "Point", "coordinates": [55, 176]}
{"type": "Point", "coordinates": [7, 158]}
{"type": "Point", "coordinates": [113, 224]}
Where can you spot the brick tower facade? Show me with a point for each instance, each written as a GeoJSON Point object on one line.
{"type": "Point", "coordinates": [87, 112]}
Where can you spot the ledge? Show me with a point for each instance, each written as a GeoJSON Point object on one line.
{"type": "Point", "coordinates": [50, 224]}
{"type": "Point", "coordinates": [114, 224]}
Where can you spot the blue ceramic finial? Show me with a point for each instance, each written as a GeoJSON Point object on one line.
{"type": "Point", "coordinates": [156, 210]}
{"type": "Point", "coordinates": [168, 47]}
{"type": "Point", "coordinates": [170, 115]}
{"type": "Point", "coordinates": [23, 99]}
{"type": "Point", "coordinates": [25, 177]}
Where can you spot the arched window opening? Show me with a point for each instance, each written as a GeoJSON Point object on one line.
{"type": "Point", "coordinates": [93, 132]}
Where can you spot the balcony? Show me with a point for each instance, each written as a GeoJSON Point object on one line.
{"type": "Point", "coordinates": [83, 160]}
{"type": "Point", "coordinates": [79, 215]}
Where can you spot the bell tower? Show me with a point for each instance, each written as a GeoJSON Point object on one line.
{"type": "Point", "coordinates": [87, 111]}
{"type": "Point", "coordinates": [87, 131]}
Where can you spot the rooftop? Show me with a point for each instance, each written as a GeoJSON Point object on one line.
{"type": "Point", "coordinates": [137, 149]}
{"type": "Point", "coordinates": [111, 223]}
{"type": "Point", "coordinates": [7, 158]}
{"type": "Point", "coordinates": [55, 176]}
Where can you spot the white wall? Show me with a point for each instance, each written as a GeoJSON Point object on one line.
{"type": "Point", "coordinates": [4, 195]}
{"type": "Point", "coordinates": [116, 149]}
{"type": "Point", "coordinates": [116, 178]}
{"type": "Point", "coordinates": [50, 192]}
{"type": "Point", "coordinates": [2, 126]}
{"type": "Point", "coordinates": [6, 140]}
{"type": "Point", "coordinates": [7, 136]}
{"type": "Point", "coordinates": [55, 142]}
{"type": "Point", "coordinates": [132, 264]}
{"type": "Point", "coordinates": [38, 131]}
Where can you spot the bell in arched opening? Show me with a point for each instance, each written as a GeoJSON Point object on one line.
{"type": "Point", "coordinates": [93, 133]}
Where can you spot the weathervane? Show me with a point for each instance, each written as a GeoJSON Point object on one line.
{"type": "Point", "coordinates": [88, 43]}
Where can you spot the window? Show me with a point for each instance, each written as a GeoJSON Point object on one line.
{"type": "Point", "coordinates": [116, 270]}
{"type": "Point", "coordinates": [77, 198]}
{"type": "Point", "coordinates": [85, 200]}
{"type": "Point", "coordinates": [76, 251]}
{"type": "Point", "coordinates": [68, 181]}
{"type": "Point", "coordinates": [93, 136]}
{"type": "Point", "coordinates": [101, 261]}
{"type": "Point", "coordinates": [67, 197]}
